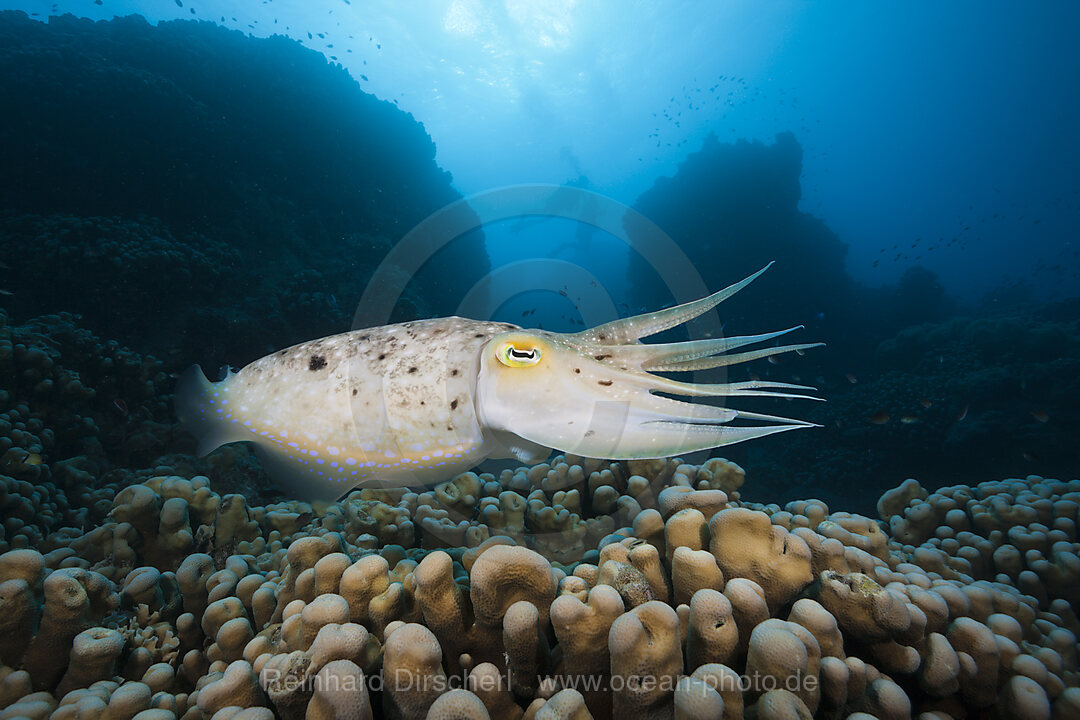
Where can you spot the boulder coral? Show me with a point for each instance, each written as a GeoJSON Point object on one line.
{"type": "Point", "coordinates": [185, 603]}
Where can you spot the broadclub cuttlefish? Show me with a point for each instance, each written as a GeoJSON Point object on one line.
{"type": "Point", "coordinates": [416, 403]}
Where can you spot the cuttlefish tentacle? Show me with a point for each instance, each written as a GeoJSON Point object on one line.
{"type": "Point", "coordinates": [669, 410]}
{"type": "Point", "coordinates": [416, 403]}
{"type": "Point", "coordinates": [632, 329]}
{"type": "Point", "coordinates": [679, 439]}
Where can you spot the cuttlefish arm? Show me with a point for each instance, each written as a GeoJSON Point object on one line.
{"type": "Point", "coordinates": [699, 354]}
{"type": "Point", "coordinates": [629, 330]}
{"type": "Point", "coordinates": [596, 393]}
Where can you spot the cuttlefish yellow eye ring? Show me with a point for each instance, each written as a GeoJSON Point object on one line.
{"type": "Point", "coordinates": [517, 355]}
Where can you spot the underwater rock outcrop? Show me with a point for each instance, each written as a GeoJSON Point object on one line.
{"type": "Point", "coordinates": [982, 392]}
{"type": "Point", "coordinates": [736, 205]}
{"type": "Point", "coordinates": [146, 161]}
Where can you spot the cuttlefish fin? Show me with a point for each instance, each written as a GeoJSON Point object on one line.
{"type": "Point", "coordinates": [631, 329]}
{"type": "Point", "coordinates": [200, 415]}
{"type": "Point", "coordinates": [197, 411]}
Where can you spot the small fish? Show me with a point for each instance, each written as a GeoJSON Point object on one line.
{"type": "Point", "coordinates": [32, 459]}
{"type": "Point", "coordinates": [925, 402]}
{"type": "Point", "coordinates": [879, 418]}
{"type": "Point", "coordinates": [851, 378]}
{"type": "Point", "coordinates": [1040, 415]}
{"type": "Point", "coordinates": [910, 419]}
{"type": "Point", "coordinates": [6, 292]}
{"type": "Point", "coordinates": [1030, 456]}
{"type": "Point", "coordinates": [773, 360]}
{"type": "Point", "coordinates": [120, 405]}
{"type": "Point", "coordinates": [963, 414]}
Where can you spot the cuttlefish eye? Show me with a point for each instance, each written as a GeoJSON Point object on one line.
{"type": "Point", "coordinates": [518, 355]}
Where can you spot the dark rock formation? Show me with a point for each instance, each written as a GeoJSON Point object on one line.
{"type": "Point", "coordinates": [204, 195]}
{"type": "Point", "coordinates": [733, 208]}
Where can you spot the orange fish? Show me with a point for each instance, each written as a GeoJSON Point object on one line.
{"type": "Point", "coordinates": [1040, 416]}
{"type": "Point", "coordinates": [851, 378]}
{"type": "Point", "coordinates": [925, 402]}
{"type": "Point", "coordinates": [879, 418]}
{"type": "Point", "coordinates": [910, 419]}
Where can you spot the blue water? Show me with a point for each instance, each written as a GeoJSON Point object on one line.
{"type": "Point", "coordinates": [917, 120]}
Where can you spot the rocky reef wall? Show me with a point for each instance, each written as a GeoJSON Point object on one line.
{"type": "Point", "coordinates": [192, 188]}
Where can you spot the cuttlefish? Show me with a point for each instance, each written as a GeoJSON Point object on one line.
{"type": "Point", "coordinates": [418, 402]}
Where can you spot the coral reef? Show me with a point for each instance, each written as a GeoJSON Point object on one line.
{"type": "Point", "coordinates": [80, 420]}
{"type": "Point", "coordinates": [555, 590]}
{"type": "Point", "coordinates": [147, 160]}
{"type": "Point", "coordinates": [574, 588]}
{"type": "Point", "coordinates": [468, 600]}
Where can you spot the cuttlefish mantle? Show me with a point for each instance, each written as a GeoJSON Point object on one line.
{"type": "Point", "coordinates": [418, 402]}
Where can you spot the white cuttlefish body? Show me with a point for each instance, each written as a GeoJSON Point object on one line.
{"type": "Point", "coordinates": [419, 402]}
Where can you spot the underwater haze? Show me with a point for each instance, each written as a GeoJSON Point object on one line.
{"type": "Point", "coordinates": [373, 359]}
